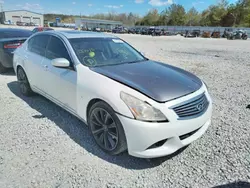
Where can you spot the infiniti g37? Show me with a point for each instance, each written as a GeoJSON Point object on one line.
{"type": "Point", "coordinates": [129, 102]}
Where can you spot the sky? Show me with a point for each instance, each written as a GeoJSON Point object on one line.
{"type": "Point", "coordinates": [90, 7]}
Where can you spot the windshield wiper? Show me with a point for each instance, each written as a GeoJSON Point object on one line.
{"type": "Point", "coordinates": [136, 61]}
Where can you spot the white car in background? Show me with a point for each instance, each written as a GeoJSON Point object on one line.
{"type": "Point", "coordinates": [129, 102]}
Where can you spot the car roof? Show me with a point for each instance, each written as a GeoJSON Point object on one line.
{"type": "Point", "coordinates": [13, 29]}
{"type": "Point", "coordinates": [70, 34]}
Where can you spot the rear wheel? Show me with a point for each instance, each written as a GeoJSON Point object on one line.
{"type": "Point", "coordinates": [107, 129]}
{"type": "Point", "coordinates": [23, 83]}
{"type": "Point", "coordinates": [3, 69]}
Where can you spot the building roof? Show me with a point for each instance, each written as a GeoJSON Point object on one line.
{"type": "Point", "coordinates": [22, 10]}
{"type": "Point", "coordinates": [82, 34]}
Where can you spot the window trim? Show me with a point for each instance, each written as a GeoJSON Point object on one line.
{"type": "Point", "coordinates": [65, 45]}
{"type": "Point", "coordinates": [45, 48]}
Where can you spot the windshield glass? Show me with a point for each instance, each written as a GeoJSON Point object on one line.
{"type": "Point", "coordinates": [94, 52]}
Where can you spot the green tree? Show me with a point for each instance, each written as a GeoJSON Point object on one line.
{"type": "Point", "coordinates": [193, 17]}
{"type": "Point", "coordinates": [151, 18]}
{"type": "Point", "coordinates": [176, 15]}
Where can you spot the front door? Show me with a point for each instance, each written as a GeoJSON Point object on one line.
{"type": "Point", "coordinates": [60, 83]}
{"type": "Point", "coordinates": [35, 56]}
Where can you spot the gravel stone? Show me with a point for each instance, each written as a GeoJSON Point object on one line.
{"type": "Point", "coordinates": [42, 145]}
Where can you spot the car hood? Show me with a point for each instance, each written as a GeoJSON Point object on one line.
{"type": "Point", "coordinates": [160, 82]}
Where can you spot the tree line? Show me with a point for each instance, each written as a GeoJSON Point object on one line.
{"type": "Point", "coordinates": [220, 14]}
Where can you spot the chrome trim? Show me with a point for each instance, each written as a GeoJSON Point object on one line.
{"type": "Point", "coordinates": [192, 108]}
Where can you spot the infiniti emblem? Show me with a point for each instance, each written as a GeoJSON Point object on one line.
{"type": "Point", "coordinates": [200, 107]}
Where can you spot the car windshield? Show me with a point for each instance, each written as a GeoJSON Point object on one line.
{"type": "Point", "coordinates": [95, 52]}
{"type": "Point", "coordinates": [15, 34]}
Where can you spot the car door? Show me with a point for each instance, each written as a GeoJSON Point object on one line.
{"type": "Point", "coordinates": [60, 82]}
{"type": "Point", "coordinates": [34, 57]}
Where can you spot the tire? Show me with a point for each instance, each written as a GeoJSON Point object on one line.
{"type": "Point", "coordinates": [24, 83]}
{"type": "Point", "coordinates": [3, 69]}
{"type": "Point", "coordinates": [106, 129]}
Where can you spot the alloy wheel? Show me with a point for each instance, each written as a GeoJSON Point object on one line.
{"type": "Point", "coordinates": [104, 129]}
{"type": "Point", "coordinates": [21, 77]}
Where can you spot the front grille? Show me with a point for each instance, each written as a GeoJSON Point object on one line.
{"type": "Point", "coordinates": [192, 108]}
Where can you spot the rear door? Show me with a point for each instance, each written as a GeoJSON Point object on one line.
{"type": "Point", "coordinates": [60, 82]}
{"type": "Point", "coordinates": [34, 60]}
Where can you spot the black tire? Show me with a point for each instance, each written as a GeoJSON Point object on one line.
{"type": "Point", "coordinates": [105, 125]}
{"type": "Point", "coordinates": [24, 83]}
{"type": "Point", "coordinates": [3, 69]}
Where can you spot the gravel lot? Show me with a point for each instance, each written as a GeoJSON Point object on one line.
{"type": "Point", "coordinates": [41, 145]}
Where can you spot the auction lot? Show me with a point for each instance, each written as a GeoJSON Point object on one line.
{"type": "Point", "coordinates": [42, 145]}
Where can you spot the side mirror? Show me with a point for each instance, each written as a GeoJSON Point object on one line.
{"type": "Point", "coordinates": [60, 63]}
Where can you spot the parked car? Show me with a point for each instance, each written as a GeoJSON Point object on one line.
{"type": "Point", "coordinates": [239, 34]}
{"type": "Point", "coordinates": [150, 30]}
{"type": "Point", "coordinates": [157, 32]}
{"type": "Point", "coordinates": [10, 39]}
{"type": "Point", "coordinates": [138, 31]}
{"type": "Point", "coordinates": [167, 33]}
{"type": "Point", "coordinates": [129, 102]}
{"type": "Point", "coordinates": [194, 33]}
{"type": "Point", "coordinates": [40, 29]}
{"type": "Point", "coordinates": [216, 34]}
{"type": "Point", "coordinates": [227, 32]}
{"type": "Point", "coordinates": [131, 31]}
{"type": "Point", "coordinates": [206, 34]}
{"type": "Point", "coordinates": [120, 30]}
{"type": "Point", "coordinates": [97, 29]}
{"type": "Point", "coordinates": [144, 31]}
{"type": "Point", "coordinates": [20, 23]}
{"type": "Point", "coordinates": [31, 24]}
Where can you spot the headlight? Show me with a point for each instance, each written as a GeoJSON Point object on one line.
{"type": "Point", "coordinates": [142, 110]}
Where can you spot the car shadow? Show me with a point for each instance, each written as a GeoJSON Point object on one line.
{"type": "Point", "coordinates": [79, 132]}
{"type": "Point", "coordinates": [239, 184]}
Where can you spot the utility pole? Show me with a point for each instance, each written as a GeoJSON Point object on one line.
{"type": "Point", "coordinates": [1, 6]}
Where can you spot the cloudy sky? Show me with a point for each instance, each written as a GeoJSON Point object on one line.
{"type": "Point", "coordinates": [88, 7]}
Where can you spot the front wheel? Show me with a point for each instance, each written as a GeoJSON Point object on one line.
{"type": "Point", "coordinates": [107, 129]}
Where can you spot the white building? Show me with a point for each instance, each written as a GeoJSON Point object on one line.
{"type": "Point", "coordinates": [93, 23]}
{"type": "Point", "coordinates": [25, 16]}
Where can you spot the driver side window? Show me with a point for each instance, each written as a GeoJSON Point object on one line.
{"type": "Point", "coordinates": [56, 49]}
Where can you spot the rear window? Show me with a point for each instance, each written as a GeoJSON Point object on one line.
{"type": "Point", "coordinates": [14, 34]}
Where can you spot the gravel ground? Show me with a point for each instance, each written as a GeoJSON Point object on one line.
{"type": "Point", "coordinates": [41, 145]}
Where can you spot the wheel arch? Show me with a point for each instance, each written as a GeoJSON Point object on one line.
{"type": "Point", "coordinates": [94, 101]}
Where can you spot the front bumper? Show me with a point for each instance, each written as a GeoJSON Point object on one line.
{"type": "Point", "coordinates": [173, 135]}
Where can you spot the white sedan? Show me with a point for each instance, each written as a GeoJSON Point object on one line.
{"type": "Point", "coordinates": [129, 102]}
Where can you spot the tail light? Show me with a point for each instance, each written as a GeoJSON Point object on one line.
{"type": "Point", "coordinates": [12, 45]}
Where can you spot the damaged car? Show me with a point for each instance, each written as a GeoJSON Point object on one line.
{"type": "Point", "coordinates": [130, 103]}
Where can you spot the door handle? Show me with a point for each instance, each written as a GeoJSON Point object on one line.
{"type": "Point", "coordinates": [45, 67]}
